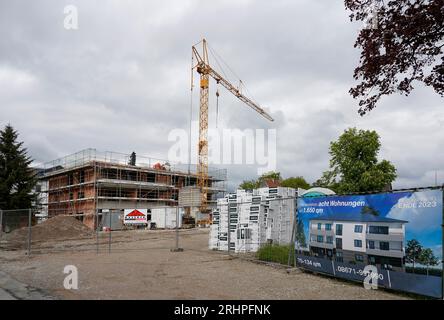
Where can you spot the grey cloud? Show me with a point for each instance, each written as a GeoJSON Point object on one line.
{"type": "Point", "coordinates": [122, 81]}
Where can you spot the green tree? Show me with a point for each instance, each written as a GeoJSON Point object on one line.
{"type": "Point", "coordinates": [413, 251]}
{"type": "Point", "coordinates": [272, 175]}
{"type": "Point", "coordinates": [291, 182]}
{"type": "Point", "coordinates": [328, 180]}
{"type": "Point", "coordinates": [427, 258]}
{"type": "Point", "coordinates": [354, 165]}
{"type": "Point", "coordinates": [249, 185]}
{"type": "Point", "coordinates": [254, 184]}
{"type": "Point", "coordinates": [295, 182]}
{"type": "Point", "coordinates": [17, 178]}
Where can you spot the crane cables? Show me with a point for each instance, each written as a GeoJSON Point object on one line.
{"type": "Point", "coordinates": [217, 57]}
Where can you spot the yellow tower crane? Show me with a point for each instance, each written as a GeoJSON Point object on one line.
{"type": "Point", "coordinates": [206, 71]}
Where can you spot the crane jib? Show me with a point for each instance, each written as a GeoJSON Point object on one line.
{"type": "Point", "coordinates": [204, 69]}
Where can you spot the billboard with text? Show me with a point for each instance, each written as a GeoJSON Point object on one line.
{"type": "Point", "coordinates": [399, 233]}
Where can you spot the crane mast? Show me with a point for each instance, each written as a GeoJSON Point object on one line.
{"type": "Point", "coordinates": [205, 71]}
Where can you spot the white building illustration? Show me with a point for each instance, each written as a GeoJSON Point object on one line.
{"type": "Point", "coordinates": [359, 238]}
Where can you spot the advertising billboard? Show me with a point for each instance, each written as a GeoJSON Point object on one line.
{"type": "Point", "coordinates": [399, 234]}
{"type": "Point", "coordinates": [135, 216]}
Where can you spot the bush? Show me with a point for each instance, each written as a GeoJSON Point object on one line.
{"type": "Point", "coordinates": [276, 253]}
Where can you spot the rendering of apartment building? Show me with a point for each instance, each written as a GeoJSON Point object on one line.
{"type": "Point", "coordinates": [363, 238]}
{"type": "Point", "coordinates": [247, 219]}
{"type": "Point", "coordinates": [89, 182]}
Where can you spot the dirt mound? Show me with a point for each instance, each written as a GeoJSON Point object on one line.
{"type": "Point", "coordinates": [59, 227]}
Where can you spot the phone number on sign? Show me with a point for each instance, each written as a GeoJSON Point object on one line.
{"type": "Point", "coordinates": [360, 272]}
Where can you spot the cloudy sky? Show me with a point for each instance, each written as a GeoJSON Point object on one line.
{"type": "Point", "coordinates": [121, 81]}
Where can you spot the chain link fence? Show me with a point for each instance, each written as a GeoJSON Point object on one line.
{"type": "Point", "coordinates": [15, 229]}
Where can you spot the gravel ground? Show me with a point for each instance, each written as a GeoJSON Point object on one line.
{"type": "Point", "coordinates": [142, 266]}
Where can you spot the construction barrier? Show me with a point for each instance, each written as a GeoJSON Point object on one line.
{"type": "Point", "coordinates": [392, 239]}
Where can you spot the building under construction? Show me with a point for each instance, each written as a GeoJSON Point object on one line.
{"type": "Point", "coordinates": [90, 182]}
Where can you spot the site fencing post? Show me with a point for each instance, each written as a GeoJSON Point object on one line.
{"type": "Point", "coordinates": [109, 237]}
{"type": "Point", "coordinates": [296, 230]}
{"type": "Point", "coordinates": [229, 232]}
{"type": "Point", "coordinates": [292, 238]}
{"type": "Point", "coordinates": [97, 232]}
{"type": "Point", "coordinates": [1, 223]}
{"type": "Point", "coordinates": [177, 249]}
{"type": "Point", "coordinates": [177, 228]}
{"type": "Point", "coordinates": [29, 231]}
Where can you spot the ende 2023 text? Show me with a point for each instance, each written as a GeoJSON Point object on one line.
{"type": "Point", "coordinates": [228, 309]}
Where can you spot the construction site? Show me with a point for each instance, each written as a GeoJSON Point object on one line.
{"type": "Point", "coordinates": [144, 228]}
{"type": "Point", "coordinates": [89, 184]}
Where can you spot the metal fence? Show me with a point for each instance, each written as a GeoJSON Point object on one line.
{"type": "Point", "coordinates": [275, 228]}
{"type": "Point", "coordinates": [16, 228]}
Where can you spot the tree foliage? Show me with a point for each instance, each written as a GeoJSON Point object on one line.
{"type": "Point", "coordinates": [416, 253]}
{"type": "Point", "coordinates": [403, 45]}
{"type": "Point", "coordinates": [413, 251]}
{"type": "Point", "coordinates": [295, 182]}
{"type": "Point", "coordinates": [291, 182]}
{"type": "Point", "coordinates": [261, 181]}
{"type": "Point", "coordinates": [428, 258]}
{"type": "Point", "coordinates": [249, 184]}
{"type": "Point", "coordinates": [354, 165]}
{"type": "Point", "coordinates": [272, 175]}
{"type": "Point", "coordinates": [17, 178]}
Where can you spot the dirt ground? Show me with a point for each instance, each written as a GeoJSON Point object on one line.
{"type": "Point", "coordinates": [142, 266]}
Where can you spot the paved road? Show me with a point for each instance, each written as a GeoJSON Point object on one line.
{"type": "Point", "coordinates": [11, 289]}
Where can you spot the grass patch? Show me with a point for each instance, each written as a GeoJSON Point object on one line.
{"type": "Point", "coordinates": [276, 253]}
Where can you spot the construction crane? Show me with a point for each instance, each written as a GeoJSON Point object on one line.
{"type": "Point", "coordinates": [206, 71]}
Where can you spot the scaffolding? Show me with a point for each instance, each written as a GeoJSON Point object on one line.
{"type": "Point", "coordinates": [90, 182]}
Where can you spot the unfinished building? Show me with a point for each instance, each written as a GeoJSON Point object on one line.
{"type": "Point", "coordinates": [90, 182]}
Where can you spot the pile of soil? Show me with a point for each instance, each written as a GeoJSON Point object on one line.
{"type": "Point", "coordinates": [59, 227]}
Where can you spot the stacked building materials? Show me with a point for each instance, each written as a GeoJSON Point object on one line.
{"type": "Point", "coordinates": [281, 213]}
{"type": "Point", "coordinates": [246, 220]}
